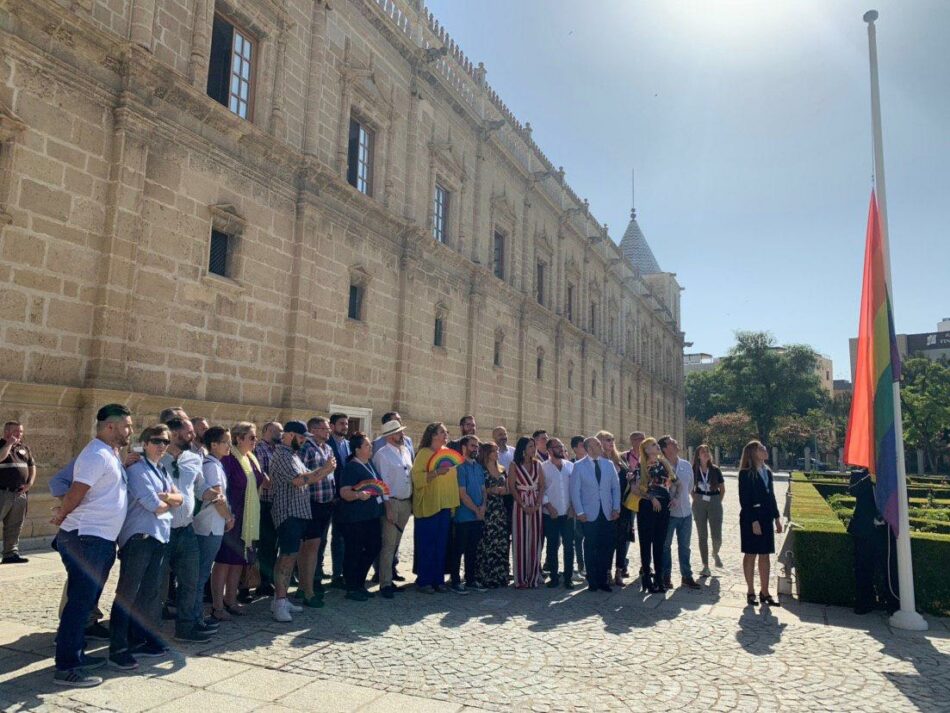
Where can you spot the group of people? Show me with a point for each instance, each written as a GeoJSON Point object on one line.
{"type": "Point", "coordinates": [196, 511]}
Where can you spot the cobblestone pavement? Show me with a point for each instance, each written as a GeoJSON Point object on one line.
{"type": "Point", "coordinates": [537, 650]}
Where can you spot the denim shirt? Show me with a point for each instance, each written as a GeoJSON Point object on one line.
{"type": "Point", "coordinates": [146, 481]}
{"type": "Point", "coordinates": [471, 476]}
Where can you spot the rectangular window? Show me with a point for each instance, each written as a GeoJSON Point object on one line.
{"type": "Point", "coordinates": [593, 318]}
{"type": "Point", "coordinates": [355, 310]}
{"type": "Point", "coordinates": [440, 214]}
{"type": "Point", "coordinates": [539, 368]}
{"type": "Point", "coordinates": [359, 170]}
{"type": "Point", "coordinates": [498, 255]}
{"type": "Point", "coordinates": [438, 338]}
{"type": "Point", "coordinates": [539, 282]}
{"type": "Point", "coordinates": [218, 256]}
{"type": "Point", "coordinates": [231, 67]}
{"type": "Point", "coordinates": [569, 311]}
{"type": "Point", "coordinates": [497, 356]}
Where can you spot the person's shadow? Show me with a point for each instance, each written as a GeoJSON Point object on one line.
{"type": "Point", "coordinates": [928, 686]}
{"type": "Point", "coordinates": [759, 631]}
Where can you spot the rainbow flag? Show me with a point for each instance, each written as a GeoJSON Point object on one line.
{"type": "Point", "coordinates": [871, 440]}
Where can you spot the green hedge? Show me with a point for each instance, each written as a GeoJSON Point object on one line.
{"type": "Point", "coordinates": [824, 556]}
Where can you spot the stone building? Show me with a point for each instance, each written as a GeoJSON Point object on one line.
{"type": "Point", "coordinates": [269, 208]}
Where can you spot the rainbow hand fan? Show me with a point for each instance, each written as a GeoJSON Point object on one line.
{"type": "Point", "coordinates": [444, 455]}
{"type": "Point", "coordinates": [372, 486]}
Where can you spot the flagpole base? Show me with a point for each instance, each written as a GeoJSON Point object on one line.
{"type": "Point", "coordinates": [908, 620]}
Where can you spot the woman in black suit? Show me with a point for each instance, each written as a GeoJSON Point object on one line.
{"type": "Point", "coordinates": [758, 511]}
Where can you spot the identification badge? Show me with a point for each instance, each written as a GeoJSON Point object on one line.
{"type": "Point", "coordinates": [707, 498]}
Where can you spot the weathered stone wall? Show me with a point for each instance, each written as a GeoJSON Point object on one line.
{"type": "Point", "coordinates": [115, 165]}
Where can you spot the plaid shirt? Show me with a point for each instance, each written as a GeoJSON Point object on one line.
{"type": "Point", "coordinates": [289, 500]}
{"type": "Point", "coordinates": [315, 456]}
{"type": "Point", "coordinates": [264, 451]}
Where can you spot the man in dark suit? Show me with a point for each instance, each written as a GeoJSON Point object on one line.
{"type": "Point", "coordinates": [873, 568]}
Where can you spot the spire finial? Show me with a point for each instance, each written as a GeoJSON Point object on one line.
{"type": "Point", "coordinates": [633, 202]}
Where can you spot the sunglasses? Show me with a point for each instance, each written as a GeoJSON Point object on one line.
{"type": "Point", "coordinates": [159, 441]}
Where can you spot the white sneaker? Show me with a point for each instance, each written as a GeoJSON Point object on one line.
{"type": "Point", "coordinates": [282, 611]}
{"type": "Point", "coordinates": [295, 608]}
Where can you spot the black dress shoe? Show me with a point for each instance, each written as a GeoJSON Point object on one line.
{"type": "Point", "coordinates": [387, 592]}
{"type": "Point", "coordinates": [244, 596]}
{"type": "Point", "coordinates": [265, 590]}
{"type": "Point", "coordinates": [14, 559]}
{"type": "Point", "coordinates": [568, 584]}
{"type": "Point", "coordinates": [398, 577]}
{"type": "Point", "coordinates": [553, 583]}
{"type": "Point", "coordinates": [606, 588]}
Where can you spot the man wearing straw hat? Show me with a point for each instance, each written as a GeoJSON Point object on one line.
{"type": "Point", "coordinates": [394, 464]}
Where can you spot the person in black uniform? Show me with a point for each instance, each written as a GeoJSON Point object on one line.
{"type": "Point", "coordinates": [873, 568]}
{"type": "Point", "coordinates": [758, 510]}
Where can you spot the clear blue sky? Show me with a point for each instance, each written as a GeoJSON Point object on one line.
{"type": "Point", "coordinates": [748, 124]}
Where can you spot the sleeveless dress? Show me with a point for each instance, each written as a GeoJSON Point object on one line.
{"type": "Point", "coordinates": [492, 560]}
{"type": "Point", "coordinates": [525, 528]}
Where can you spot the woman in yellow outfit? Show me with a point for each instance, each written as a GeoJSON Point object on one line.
{"type": "Point", "coordinates": [434, 495]}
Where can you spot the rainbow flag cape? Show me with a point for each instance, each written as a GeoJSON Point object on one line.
{"type": "Point", "coordinates": [871, 440]}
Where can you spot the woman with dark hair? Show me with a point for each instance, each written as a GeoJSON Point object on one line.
{"type": "Point", "coordinates": [526, 483]}
{"type": "Point", "coordinates": [493, 549]}
{"type": "Point", "coordinates": [359, 517]}
{"type": "Point", "coordinates": [212, 515]}
{"type": "Point", "coordinates": [136, 624]}
{"type": "Point", "coordinates": [434, 495]}
{"type": "Point", "coordinates": [244, 477]}
{"type": "Point", "coordinates": [654, 480]}
{"type": "Point", "coordinates": [757, 513]}
{"type": "Point", "coordinates": [709, 488]}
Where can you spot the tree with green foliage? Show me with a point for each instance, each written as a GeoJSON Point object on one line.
{"type": "Point", "coordinates": [925, 402]}
{"type": "Point", "coordinates": [708, 393]}
{"type": "Point", "coordinates": [767, 381]}
{"type": "Point", "coordinates": [730, 431]}
{"type": "Point", "coordinates": [696, 432]}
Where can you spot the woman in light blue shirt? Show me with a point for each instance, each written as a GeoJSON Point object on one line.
{"type": "Point", "coordinates": [136, 612]}
{"type": "Point", "coordinates": [212, 513]}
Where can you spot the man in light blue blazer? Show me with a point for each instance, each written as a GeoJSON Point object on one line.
{"type": "Point", "coordinates": [595, 495]}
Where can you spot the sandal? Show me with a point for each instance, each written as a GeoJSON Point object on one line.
{"type": "Point", "coordinates": [236, 609]}
{"type": "Point", "coordinates": [750, 600]}
{"type": "Point", "coordinates": [220, 615]}
{"type": "Point", "coordinates": [767, 599]}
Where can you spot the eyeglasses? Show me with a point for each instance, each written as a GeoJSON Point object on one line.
{"type": "Point", "coordinates": [159, 441]}
{"type": "Point", "coordinates": [250, 437]}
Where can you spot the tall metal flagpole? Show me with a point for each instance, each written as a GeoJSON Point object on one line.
{"type": "Point", "coordinates": [906, 617]}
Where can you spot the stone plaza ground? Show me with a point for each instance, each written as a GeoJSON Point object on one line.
{"type": "Point", "coordinates": [504, 650]}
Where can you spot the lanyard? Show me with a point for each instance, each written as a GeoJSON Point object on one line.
{"type": "Point", "coordinates": [159, 472]}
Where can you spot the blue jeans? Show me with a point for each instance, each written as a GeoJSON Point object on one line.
{"type": "Point", "coordinates": [88, 561]}
{"type": "Point", "coordinates": [432, 537]}
{"type": "Point", "coordinates": [137, 609]}
{"type": "Point", "coordinates": [208, 546]}
{"type": "Point", "coordinates": [182, 560]}
{"type": "Point", "coordinates": [683, 527]}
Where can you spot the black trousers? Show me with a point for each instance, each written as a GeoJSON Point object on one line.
{"type": "Point", "coordinates": [624, 523]}
{"type": "Point", "coordinates": [267, 545]}
{"type": "Point", "coordinates": [599, 536]}
{"type": "Point", "coordinates": [136, 611]}
{"type": "Point", "coordinates": [465, 543]}
{"type": "Point", "coordinates": [652, 527]}
{"type": "Point", "coordinates": [361, 544]}
{"type": "Point", "coordinates": [559, 532]}
{"type": "Point", "coordinates": [874, 584]}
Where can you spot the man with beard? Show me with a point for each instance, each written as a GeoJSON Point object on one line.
{"type": "Point", "coordinates": [292, 515]}
{"type": "Point", "coordinates": [467, 427]}
{"type": "Point", "coordinates": [394, 464]}
{"type": "Point", "coordinates": [558, 513]}
{"type": "Point", "coordinates": [184, 465]}
{"type": "Point", "coordinates": [340, 445]}
{"type": "Point", "coordinates": [469, 517]}
{"type": "Point", "coordinates": [89, 521]}
{"type": "Point", "coordinates": [506, 453]}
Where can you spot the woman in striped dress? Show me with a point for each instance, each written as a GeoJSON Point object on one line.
{"type": "Point", "coordinates": [526, 483]}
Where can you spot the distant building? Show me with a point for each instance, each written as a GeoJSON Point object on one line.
{"type": "Point", "coordinates": [933, 345]}
{"type": "Point", "coordinates": [699, 361]}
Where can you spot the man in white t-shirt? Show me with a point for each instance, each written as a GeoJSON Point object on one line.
{"type": "Point", "coordinates": [506, 454]}
{"type": "Point", "coordinates": [681, 515]}
{"type": "Point", "coordinates": [89, 521]}
{"type": "Point", "coordinates": [558, 514]}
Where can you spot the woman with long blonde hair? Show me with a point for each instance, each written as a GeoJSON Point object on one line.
{"type": "Point", "coordinates": [758, 512]}
{"type": "Point", "coordinates": [655, 478]}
